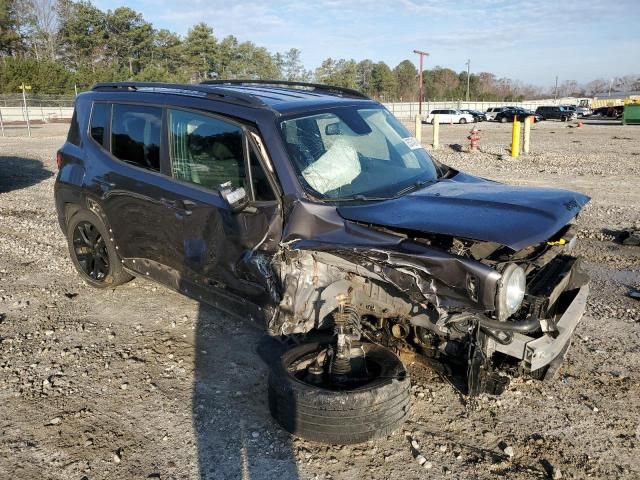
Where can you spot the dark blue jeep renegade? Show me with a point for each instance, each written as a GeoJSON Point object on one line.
{"type": "Point", "coordinates": [312, 208]}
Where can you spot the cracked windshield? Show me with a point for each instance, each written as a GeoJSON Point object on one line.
{"type": "Point", "coordinates": [348, 152]}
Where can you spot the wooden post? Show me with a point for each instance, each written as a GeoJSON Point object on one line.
{"type": "Point", "coordinates": [515, 137]}
{"type": "Point", "coordinates": [436, 131]}
{"type": "Point", "coordinates": [419, 128]}
{"type": "Point", "coordinates": [527, 134]}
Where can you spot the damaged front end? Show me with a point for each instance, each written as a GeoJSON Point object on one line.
{"type": "Point", "coordinates": [472, 309]}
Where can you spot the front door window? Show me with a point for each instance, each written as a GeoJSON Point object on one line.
{"type": "Point", "coordinates": [205, 150]}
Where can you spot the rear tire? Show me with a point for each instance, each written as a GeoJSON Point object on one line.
{"type": "Point", "coordinates": [340, 416]}
{"type": "Point", "coordinates": [463, 121]}
{"type": "Point", "coordinates": [503, 120]}
{"type": "Point", "coordinates": [92, 251]}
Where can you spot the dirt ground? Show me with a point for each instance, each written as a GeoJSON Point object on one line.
{"type": "Point", "coordinates": [140, 382]}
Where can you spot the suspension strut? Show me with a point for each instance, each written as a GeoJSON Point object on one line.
{"type": "Point", "coordinates": [341, 361]}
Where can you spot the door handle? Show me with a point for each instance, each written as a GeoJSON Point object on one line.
{"type": "Point", "coordinates": [183, 206]}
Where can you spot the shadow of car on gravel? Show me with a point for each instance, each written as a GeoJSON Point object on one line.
{"type": "Point", "coordinates": [19, 172]}
{"type": "Point", "coordinates": [237, 438]}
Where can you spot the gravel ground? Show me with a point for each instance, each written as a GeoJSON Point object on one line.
{"type": "Point", "coordinates": [140, 382]}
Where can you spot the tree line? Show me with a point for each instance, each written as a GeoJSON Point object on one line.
{"type": "Point", "coordinates": [57, 45]}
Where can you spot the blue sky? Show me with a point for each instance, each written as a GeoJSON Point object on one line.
{"type": "Point", "coordinates": [528, 40]}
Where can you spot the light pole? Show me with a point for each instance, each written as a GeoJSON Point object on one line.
{"type": "Point", "coordinates": [468, 70]}
{"type": "Point", "coordinates": [422, 55]}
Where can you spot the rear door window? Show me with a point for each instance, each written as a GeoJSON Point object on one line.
{"type": "Point", "coordinates": [135, 135]}
{"type": "Point", "coordinates": [206, 151]}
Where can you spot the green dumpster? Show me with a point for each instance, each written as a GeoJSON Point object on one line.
{"type": "Point", "coordinates": [631, 114]}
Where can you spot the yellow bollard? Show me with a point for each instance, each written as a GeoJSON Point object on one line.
{"type": "Point", "coordinates": [436, 131]}
{"type": "Point", "coordinates": [419, 129]}
{"type": "Point", "coordinates": [527, 134]}
{"type": "Point", "coordinates": [515, 137]}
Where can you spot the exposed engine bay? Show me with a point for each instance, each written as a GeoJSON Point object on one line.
{"type": "Point", "coordinates": [471, 307]}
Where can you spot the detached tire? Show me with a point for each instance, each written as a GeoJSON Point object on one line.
{"type": "Point", "coordinates": [340, 416]}
{"type": "Point", "coordinates": [92, 252]}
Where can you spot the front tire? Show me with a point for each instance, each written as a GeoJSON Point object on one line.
{"type": "Point", "coordinates": [92, 251]}
{"type": "Point", "coordinates": [375, 406]}
{"type": "Point", "coordinates": [503, 120]}
{"type": "Point", "coordinates": [463, 121]}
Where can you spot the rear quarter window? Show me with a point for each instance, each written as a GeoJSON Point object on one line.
{"type": "Point", "coordinates": [99, 119]}
{"type": "Point", "coordinates": [74, 130]}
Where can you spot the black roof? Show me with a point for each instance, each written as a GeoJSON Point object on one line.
{"type": "Point", "coordinates": [281, 96]}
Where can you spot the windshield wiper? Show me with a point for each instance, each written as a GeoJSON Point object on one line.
{"type": "Point", "coordinates": [413, 187]}
{"type": "Point", "coordinates": [358, 198]}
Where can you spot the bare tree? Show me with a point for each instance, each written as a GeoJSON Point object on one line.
{"type": "Point", "coordinates": [627, 83]}
{"type": "Point", "coordinates": [42, 19]}
{"type": "Point", "coordinates": [596, 86]}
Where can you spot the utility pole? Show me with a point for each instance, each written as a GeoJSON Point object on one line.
{"type": "Point", "coordinates": [468, 70]}
{"type": "Point", "coordinates": [555, 91]}
{"type": "Point", "coordinates": [610, 85]}
{"type": "Point", "coordinates": [422, 55]}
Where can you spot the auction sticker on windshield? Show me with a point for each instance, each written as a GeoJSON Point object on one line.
{"type": "Point", "coordinates": [412, 143]}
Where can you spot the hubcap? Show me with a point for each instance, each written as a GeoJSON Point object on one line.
{"type": "Point", "coordinates": [90, 250]}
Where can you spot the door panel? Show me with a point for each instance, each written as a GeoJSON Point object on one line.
{"type": "Point", "coordinates": [133, 189]}
{"type": "Point", "coordinates": [218, 244]}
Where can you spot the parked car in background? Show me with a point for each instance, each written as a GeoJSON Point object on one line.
{"type": "Point", "coordinates": [579, 111]}
{"type": "Point", "coordinates": [611, 112]}
{"type": "Point", "coordinates": [477, 115]}
{"type": "Point", "coordinates": [493, 111]}
{"type": "Point", "coordinates": [521, 113]}
{"type": "Point", "coordinates": [583, 111]}
{"type": "Point", "coordinates": [552, 112]}
{"type": "Point", "coordinates": [450, 116]}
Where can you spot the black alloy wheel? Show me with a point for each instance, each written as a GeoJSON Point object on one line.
{"type": "Point", "coordinates": [91, 251]}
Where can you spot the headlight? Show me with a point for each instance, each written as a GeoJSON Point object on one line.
{"type": "Point", "coordinates": [511, 291]}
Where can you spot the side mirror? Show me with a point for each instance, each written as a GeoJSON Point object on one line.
{"type": "Point", "coordinates": [236, 198]}
{"type": "Point", "coordinates": [332, 129]}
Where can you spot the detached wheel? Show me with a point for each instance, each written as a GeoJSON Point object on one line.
{"type": "Point", "coordinates": [92, 251]}
{"type": "Point", "coordinates": [370, 402]}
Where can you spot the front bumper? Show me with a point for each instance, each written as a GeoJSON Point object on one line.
{"type": "Point", "coordinates": [537, 353]}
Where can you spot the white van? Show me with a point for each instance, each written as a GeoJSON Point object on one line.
{"type": "Point", "coordinates": [450, 116]}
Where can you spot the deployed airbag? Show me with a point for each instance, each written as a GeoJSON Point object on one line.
{"type": "Point", "coordinates": [337, 167]}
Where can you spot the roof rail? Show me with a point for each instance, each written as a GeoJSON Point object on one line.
{"type": "Point", "coordinates": [331, 89]}
{"type": "Point", "coordinates": [208, 91]}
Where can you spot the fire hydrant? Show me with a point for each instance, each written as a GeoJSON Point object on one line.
{"type": "Point", "coordinates": [474, 139]}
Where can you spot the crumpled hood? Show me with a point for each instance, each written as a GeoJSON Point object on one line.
{"type": "Point", "coordinates": [474, 208]}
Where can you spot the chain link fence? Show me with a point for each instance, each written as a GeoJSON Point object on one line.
{"type": "Point", "coordinates": [408, 110]}
{"type": "Point", "coordinates": [18, 114]}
